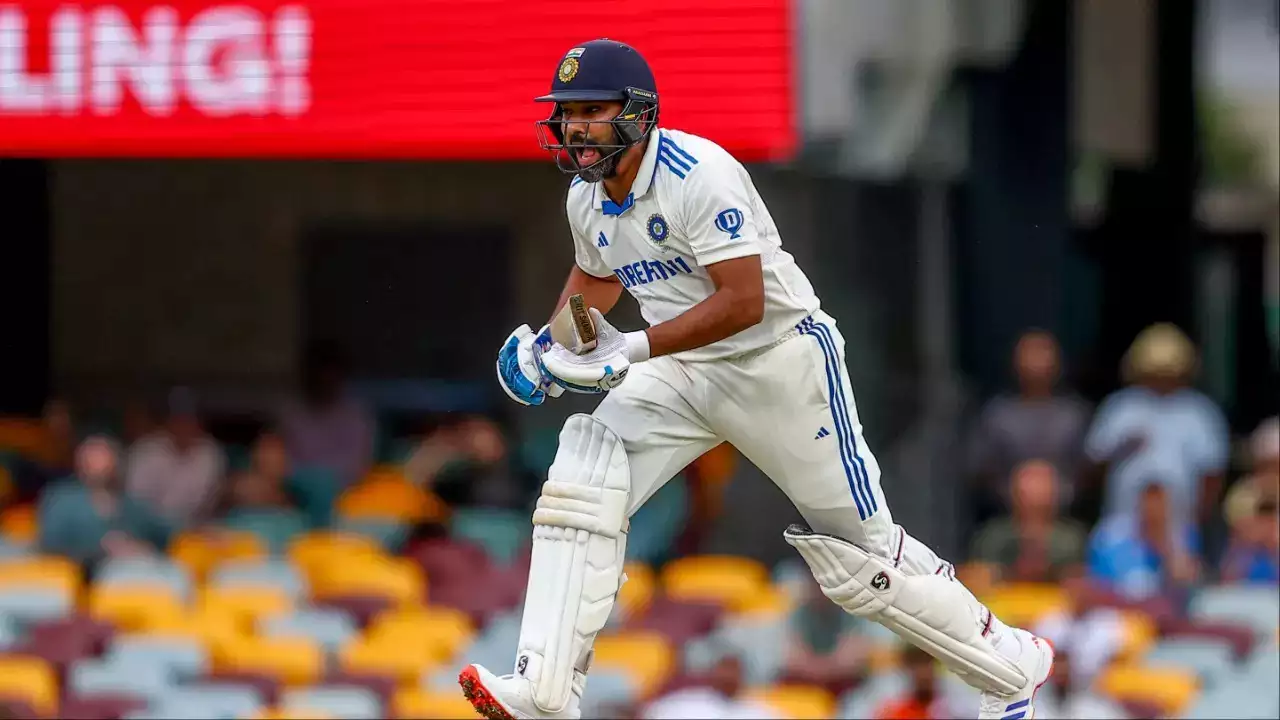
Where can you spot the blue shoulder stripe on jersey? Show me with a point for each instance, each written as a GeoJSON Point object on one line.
{"type": "Point", "coordinates": [576, 179]}
{"type": "Point", "coordinates": [671, 145]}
{"type": "Point", "coordinates": [677, 160]}
{"type": "Point", "coordinates": [670, 166]}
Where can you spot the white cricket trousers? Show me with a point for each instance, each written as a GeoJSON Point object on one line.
{"type": "Point", "coordinates": [788, 408]}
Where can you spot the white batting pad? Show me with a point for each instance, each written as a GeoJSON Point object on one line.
{"type": "Point", "coordinates": [931, 611]}
{"type": "Point", "coordinates": [579, 543]}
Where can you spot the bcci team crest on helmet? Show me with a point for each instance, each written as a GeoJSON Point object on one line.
{"type": "Point", "coordinates": [568, 69]}
{"type": "Point", "coordinates": [657, 227]}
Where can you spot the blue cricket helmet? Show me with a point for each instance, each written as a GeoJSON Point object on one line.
{"type": "Point", "coordinates": [604, 70]}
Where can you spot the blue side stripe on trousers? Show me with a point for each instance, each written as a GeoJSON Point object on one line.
{"type": "Point", "coordinates": [870, 496]}
{"type": "Point", "coordinates": [855, 469]}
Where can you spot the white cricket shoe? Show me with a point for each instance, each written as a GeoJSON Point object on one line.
{"type": "Point", "coordinates": [1037, 662]}
{"type": "Point", "coordinates": [508, 697]}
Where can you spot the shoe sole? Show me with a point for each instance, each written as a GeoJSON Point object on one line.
{"type": "Point", "coordinates": [480, 697]}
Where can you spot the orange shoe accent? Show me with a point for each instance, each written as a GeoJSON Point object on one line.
{"type": "Point", "coordinates": [484, 703]}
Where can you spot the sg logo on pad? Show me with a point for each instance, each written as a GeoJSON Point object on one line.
{"type": "Point", "coordinates": [880, 582]}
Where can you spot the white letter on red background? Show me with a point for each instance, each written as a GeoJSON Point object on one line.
{"type": "Point", "coordinates": [147, 66]}
{"type": "Point", "coordinates": [19, 92]}
{"type": "Point", "coordinates": [67, 63]}
{"type": "Point", "coordinates": [245, 86]}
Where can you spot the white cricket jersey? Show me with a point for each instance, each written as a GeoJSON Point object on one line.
{"type": "Point", "coordinates": [692, 205]}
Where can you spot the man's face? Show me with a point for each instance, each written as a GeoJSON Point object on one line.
{"type": "Point", "coordinates": [1036, 359]}
{"type": "Point", "coordinates": [591, 137]}
{"type": "Point", "coordinates": [1034, 489]}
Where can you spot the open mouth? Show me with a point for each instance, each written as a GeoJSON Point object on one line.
{"type": "Point", "coordinates": [588, 155]}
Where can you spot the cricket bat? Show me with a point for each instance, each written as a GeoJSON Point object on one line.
{"type": "Point", "coordinates": [573, 327]}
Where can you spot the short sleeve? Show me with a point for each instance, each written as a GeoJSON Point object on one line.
{"type": "Point", "coordinates": [585, 253]}
{"type": "Point", "coordinates": [719, 218]}
{"type": "Point", "coordinates": [1104, 435]}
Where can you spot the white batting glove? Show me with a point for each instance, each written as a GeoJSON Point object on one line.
{"type": "Point", "coordinates": [601, 369]}
{"type": "Point", "coordinates": [519, 369]}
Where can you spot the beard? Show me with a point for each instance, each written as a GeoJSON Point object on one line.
{"type": "Point", "coordinates": [604, 167]}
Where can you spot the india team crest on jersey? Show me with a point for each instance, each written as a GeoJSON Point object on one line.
{"type": "Point", "coordinates": [658, 230]}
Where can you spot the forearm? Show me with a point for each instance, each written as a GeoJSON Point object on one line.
{"type": "Point", "coordinates": [724, 314]}
{"type": "Point", "coordinates": [599, 293]}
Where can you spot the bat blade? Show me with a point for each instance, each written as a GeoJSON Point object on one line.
{"type": "Point", "coordinates": [573, 327]}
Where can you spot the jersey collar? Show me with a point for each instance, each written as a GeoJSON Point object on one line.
{"type": "Point", "coordinates": [639, 187]}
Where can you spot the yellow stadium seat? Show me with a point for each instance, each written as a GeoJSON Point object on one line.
{"type": "Point", "coordinates": [249, 604]}
{"type": "Point", "coordinates": [214, 627]}
{"type": "Point", "coordinates": [1024, 604]}
{"type": "Point", "coordinates": [713, 578]}
{"type": "Point", "coordinates": [398, 579]}
{"type": "Point", "coordinates": [647, 657]}
{"type": "Point", "coordinates": [405, 661]}
{"type": "Point", "coordinates": [444, 630]}
{"type": "Point", "coordinates": [199, 553]}
{"type": "Point", "coordinates": [1139, 634]}
{"type": "Point", "coordinates": [637, 591]}
{"type": "Point", "coordinates": [30, 680]}
{"type": "Point", "coordinates": [1170, 689]}
{"type": "Point", "coordinates": [414, 703]}
{"type": "Point", "coordinates": [389, 496]}
{"type": "Point", "coordinates": [771, 602]}
{"type": "Point", "coordinates": [797, 701]}
{"type": "Point", "coordinates": [43, 571]}
{"type": "Point", "coordinates": [133, 606]}
{"type": "Point", "coordinates": [293, 661]}
{"type": "Point", "coordinates": [315, 553]}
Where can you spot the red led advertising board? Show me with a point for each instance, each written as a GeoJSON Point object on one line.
{"type": "Point", "coordinates": [413, 79]}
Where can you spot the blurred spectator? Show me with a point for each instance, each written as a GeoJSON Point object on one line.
{"type": "Point", "coordinates": [1032, 544]}
{"type": "Point", "coordinates": [178, 469]}
{"type": "Point", "coordinates": [824, 646]}
{"type": "Point", "coordinates": [466, 463]}
{"type": "Point", "coordinates": [264, 484]}
{"type": "Point", "coordinates": [720, 696]}
{"type": "Point", "coordinates": [87, 518]}
{"type": "Point", "coordinates": [1095, 634]}
{"type": "Point", "coordinates": [924, 700]}
{"type": "Point", "coordinates": [328, 427]}
{"type": "Point", "coordinates": [706, 479]}
{"type": "Point", "coordinates": [1254, 553]}
{"type": "Point", "coordinates": [1263, 483]}
{"type": "Point", "coordinates": [1146, 553]}
{"type": "Point", "coordinates": [1039, 421]}
{"type": "Point", "coordinates": [1066, 695]}
{"type": "Point", "coordinates": [1160, 428]}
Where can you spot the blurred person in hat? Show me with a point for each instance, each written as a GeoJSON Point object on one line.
{"type": "Point", "coordinates": [1159, 427]}
{"type": "Point", "coordinates": [1252, 510]}
{"type": "Point", "coordinates": [177, 470]}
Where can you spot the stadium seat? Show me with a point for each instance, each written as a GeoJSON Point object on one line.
{"type": "Point", "coordinates": [349, 703]}
{"type": "Point", "coordinates": [757, 643]}
{"type": "Point", "coordinates": [100, 707]}
{"type": "Point", "coordinates": [1212, 659]}
{"type": "Point", "coordinates": [291, 713]}
{"type": "Point", "coordinates": [145, 571]}
{"type": "Point", "coordinates": [9, 632]}
{"type": "Point", "coordinates": [502, 533]}
{"type": "Point", "coordinates": [385, 656]}
{"type": "Point", "coordinates": [1139, 632]}
{"type": "Point", "coordinates": [132, 606]}
{"type": "Point", "coordinates": [293, 661]}
{"type": "Point", "coordinates": [30, 680]}
{"type": "Point", "coordinates": [399, 580]}
{"type": "Point", "coordinates": [1171, 690]}
{"type": "Point", "coordinates": [181, 658]}
{"type": "Point", "coordinates": [206, 700]}
{"type": "Point", "coordinates": [250, 604]}
{"type": "Point", "coordinates": [713, 578]}
{"type": "Point", "coordinates": [445, 630]}
{"type": "Point", "coordinates": [608, 689]}
{"type": "Point", "coordinates": [796, 701]}
{"type": "Point", "coordinates": [1024, 604]}
{"type": "Point", "coordinates": [1255, 607]}
{"type": "Point", "coordinates": [646, 657]}
{"type": "Point", "coordinates": [199, 552]}
{"type": "Point", "coordinates": [128, 675]}
{"type": "Point", "coordinates": [11, 550]}
{"type": "Point", "coordinates": [772, 602]}
{"type": "Point", "coordinates": [331, 629]}
{"type": "Point", "coordinates": [1238, 698]}
{"type": "Point", "coordinates": [212, 627]}
{"type": "Point", "coordinates": [41, 571]}
{"type": "Point", "coordinates": [414, 704]}
{"type": "Point", "coordinates": [316, 491]}
{"type": "Point", "coordinates": [315, 552]}
{"type": "Point", "coordinates": [389, 534]}
{"type": "Point", "coordinates": [388, 496]}
{"type": "Point", "coordinates": [27, 605]}
{"type": "Point", "coordinates": [636, 593]}
{"type": "Point", "coordinates": [260, 574]}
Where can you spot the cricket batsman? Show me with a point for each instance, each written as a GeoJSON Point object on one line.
{"type": "Point", "coordinates": [737, 350]}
